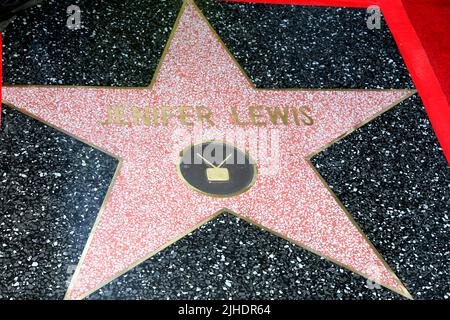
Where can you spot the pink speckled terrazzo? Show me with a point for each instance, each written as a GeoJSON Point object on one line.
{"type": "Point", "coordinates": [149, 205]}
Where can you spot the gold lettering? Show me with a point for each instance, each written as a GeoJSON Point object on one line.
{"type": "Point", "coordinates": [275, 113]}
{"type": "Point", "coordinates": [307, 120]}
{"type": "Point", "coordinates": [143, 115]}
{"type": "Point", "coordinates": [184, 115]}
{"type": "Point", "coordinates": [204, 115]}
{"type": "Point", "coordinates": [119, 116]}
{"type": "Point", "coordinates": [255, 115]}
{"type": "Point", "coordinates": [155, 116]}
{"type": "Point", "coordinates": [188, 116]}
{"type": "Point", "coordinates": [108, 117]}
{"type": "Point", "coordinates": [165, 114]}
{"type": "Point", "coordinates": [236, 117]}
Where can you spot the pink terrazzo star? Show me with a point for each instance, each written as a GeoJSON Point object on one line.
{"type": "Point", "coordinates": [148, 206]}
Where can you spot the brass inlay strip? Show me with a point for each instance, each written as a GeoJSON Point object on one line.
{"type": "Point", "coordinates": [166, 49]}
{"type": "Point", "coordinates": [404, 293]}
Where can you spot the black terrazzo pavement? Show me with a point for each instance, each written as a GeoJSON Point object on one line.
{"type": "Point", "coordinates": [392, 176]}
{"type": "Point", "coordinates": [9, 8]}
{"type": "Point", "coordinates": [229, 258]}
{"type": "Point", "coordinates": [51, 190]}
{"type": "Point", "coordinates": [293, 46]}
{"type": "Point", "coordinates": [119, 44]}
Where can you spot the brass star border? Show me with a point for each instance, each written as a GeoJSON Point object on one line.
{"type": "Point", "coordinates": [405, 292]}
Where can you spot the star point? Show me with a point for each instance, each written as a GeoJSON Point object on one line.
{"type": "Point", "coordinates": [148, 207]}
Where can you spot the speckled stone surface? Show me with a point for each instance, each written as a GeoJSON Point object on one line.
{"type": "Point", "coordinates": [51, 189]}
{"type": "Point", "coordinates": [293, 46]}
{"type": "Point", "coordinates": [119, 43]}
{"type": "Point", "coordinates": [207, 75]}
{"type": "Point", "coordinates": [229, 258]}
{"type": "Point", "coordinates": [150, 206]}
{"type": "Point", "coordinates": [392, 176]}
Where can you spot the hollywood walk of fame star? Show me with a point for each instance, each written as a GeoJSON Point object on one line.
{"type": "Point", "coordinates": [148, 206]}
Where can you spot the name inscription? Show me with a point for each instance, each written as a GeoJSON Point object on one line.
{"type": "Point", "coordinates": [202, 115]}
